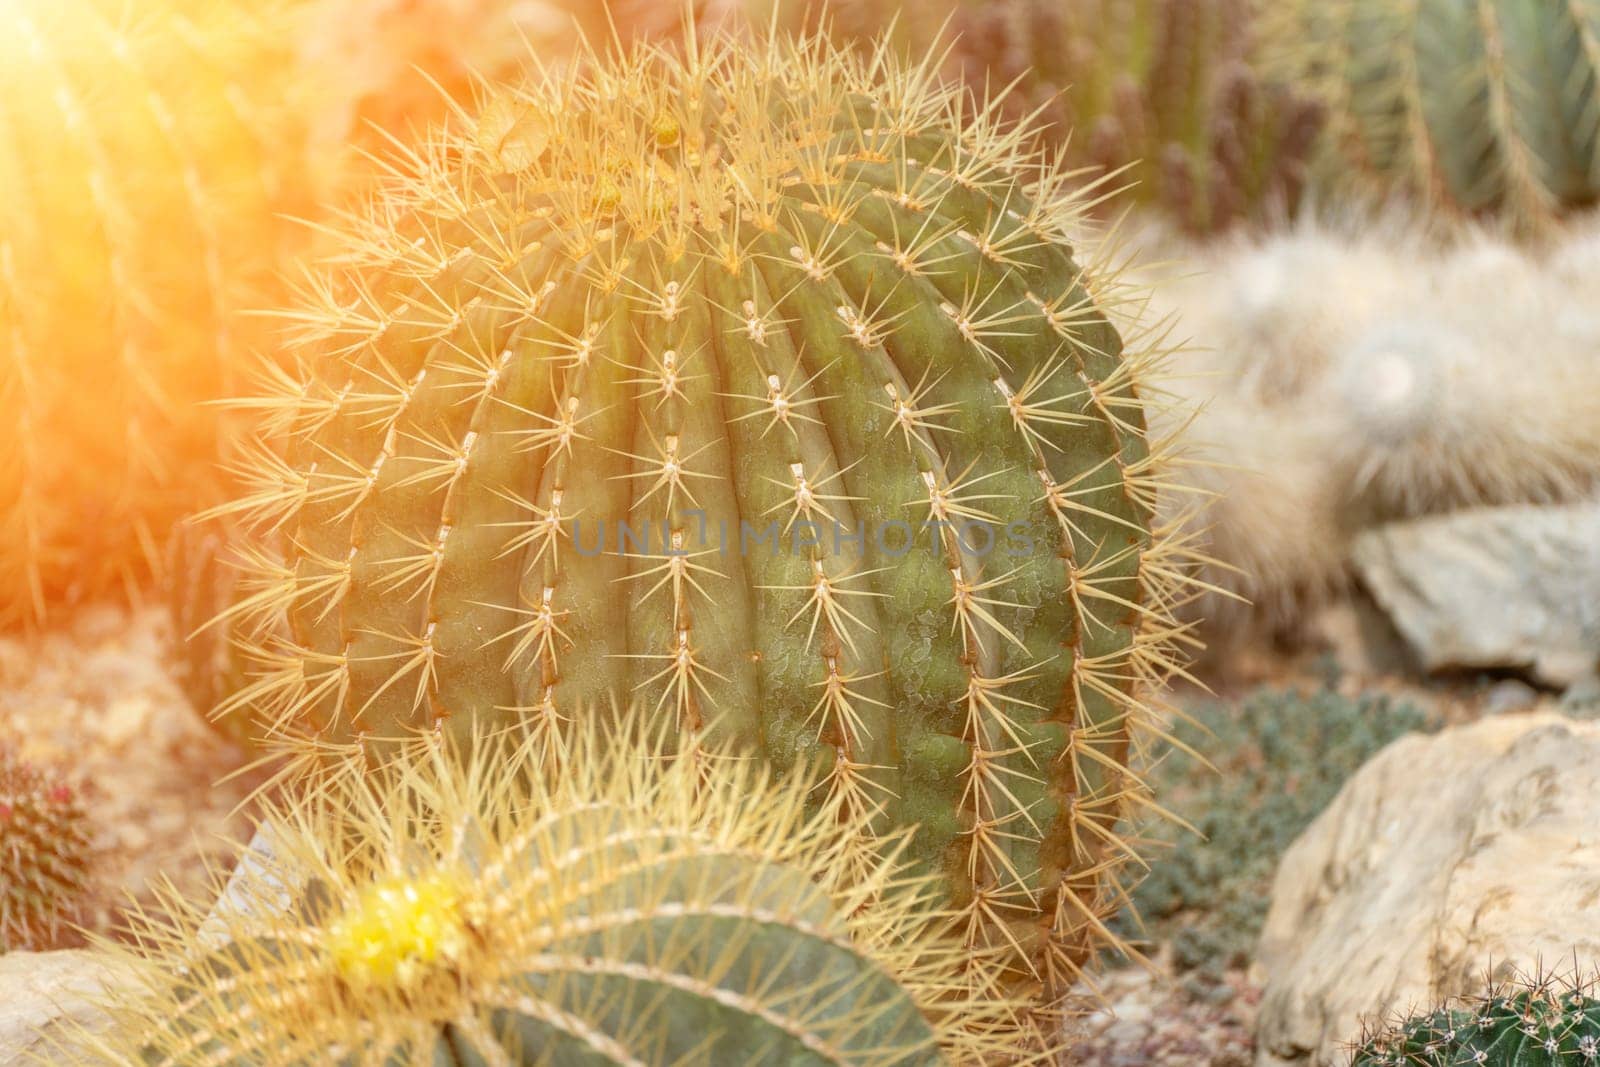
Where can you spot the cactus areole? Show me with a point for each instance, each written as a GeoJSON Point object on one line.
{"type": "Point", "coordinates": [757, 385]}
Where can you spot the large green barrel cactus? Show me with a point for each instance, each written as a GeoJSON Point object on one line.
{"type": "Point", "coordinates": [761, 388]}
{"type": "Point", "coordinates": [609, 909]}
{"type": "Point", "coordinates": [1478, 105]}
{"type": "Point", "coordinates": [141, 154]}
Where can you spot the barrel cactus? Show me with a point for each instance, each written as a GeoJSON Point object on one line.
{"type": "Point", "coordinates": [1488, 106]}
{"type": "Point", "coordinates": [45, 854]}
{"type": "Point", "coordinates": [1526, 1021]}
{"type": "Point", "coordinates": [138, 187]}
{"type": "Point", "coordinates": [756, 384]}
{"type": "Point", "coordinates": [485, 907]}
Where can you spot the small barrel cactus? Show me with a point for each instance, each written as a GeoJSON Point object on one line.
{"type": "Point", "coordinates": [138, 189]}
{"type": "Point", "coordinates": [758, 385]}
{"type": "Point", "coordinates": [1482, 106]}
{"type": "Point", "coordinates": [1520, 1022]}
{"type": "Point", "coordinates": [489, 907]}
{"type": "Point", "coordinates": [45, 855]}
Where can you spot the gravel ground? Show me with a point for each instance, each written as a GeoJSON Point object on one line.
{"type": "Point", "coordinates": [1151, 1019]}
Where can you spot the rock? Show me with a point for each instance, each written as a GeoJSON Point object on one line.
{"type": "Point", "coordinates": [45, 996]}
{"type": "Point", "coordinates": [254, 885]}
{"type": "Point", "coordinates": [1514, 587]}
{"type": "Point", "coordinates": [1444, 856]}
{"type": "Point", "coordinates": [1360, 638]}
{"type": "Point", "coordinates": [1509, 695]}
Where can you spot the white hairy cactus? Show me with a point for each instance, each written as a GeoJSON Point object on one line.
{"type": "Point", "coordinates": [1350, 375]}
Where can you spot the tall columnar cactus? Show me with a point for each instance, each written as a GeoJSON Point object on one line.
{"type": "Point", "coordinates": [1163, 93]}
{"type": "Point", "coordinates": [137, 196]}
{"type": "Point", "coordinates": [1479, 105]}
{"type": "Point", "coordinates": [610, 908]}
{"type": "Point", "coordinates": [1526, 1022]}
{"type": "Point", "coordinates": [762, 387]}
{"type": "Point", "coordinates": [45, 847]}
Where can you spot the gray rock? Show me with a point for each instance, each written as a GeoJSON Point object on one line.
{"type": "Point", "coordinates": [1515, 587]}
{"type": "Point", "coordinates": [1509, 695]}
{"type": "Point", "coordinates": [254, 886]}
{"type": "Point", "coordinates": [1444, 856]}
{"type": "Point", "coordinates": [45, 998]}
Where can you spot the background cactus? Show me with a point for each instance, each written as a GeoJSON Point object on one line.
{"type": "Point", "coordinates": [1485, 391]}
{"type": "Point", "coordinates": [45, 855]}
{"type": "Point", "coordinates": [611, 908]}
{"type": "Point", "coordinates": [727, 301]}
{"type": "Point", "coordinates": [1162, 92]}
{"type": "Point", "coordinates": [137, 191]}
{"type": "Point", "coordinates": [1351, 371]}
{"type": "Point", "coordinates": [1523, 1020]}
{"type": "Point", "coordinates": [1489, 106]}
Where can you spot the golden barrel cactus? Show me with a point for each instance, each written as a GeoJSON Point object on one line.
{"type": "Point", "coordinates": [484, 907]}
{"type": "Point", "coordinates": [759, 384]}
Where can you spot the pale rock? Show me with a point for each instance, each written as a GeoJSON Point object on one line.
{"type": "Point", "coordinates": [1512, 587]}
{"type": "Point", "coordinates": [45, 997]}
{"type": "Point", "coordinates": [1444, 856]}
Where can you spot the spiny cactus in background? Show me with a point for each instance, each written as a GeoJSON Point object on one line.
{"type": "Point", "coordinates": [137, 190]}
{"type": "Point", "coordinates": [489, 907]}
{"type": "Point", "coordinates": [1352, 371]}
{"type": "Point", "coordinates": [1518, 1022]}
{"type": "Point", "coordinates": [1263, 318]}
{"type": "Point", "coordinates": [1276, 529]}
{"type": "Point", "coordinates": [1163, 92]}
{"type": "Point", "coordinates": [1487, 392]}
{"type": "Point", "coordinates": [1487, 106]}
{"type": "Point", "coordinates": [1164, 88]}
{"type": "Point", "coordinates": [761, 386]}
{"type": "Point", "coordinates": [45, 847]}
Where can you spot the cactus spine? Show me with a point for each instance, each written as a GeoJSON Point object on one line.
{"type": "Point", "coordinates": [1478, 105]}
{"type": "Point", "coordinates": [488, 907]}
{"type": "Point", "coordinates": [760, 386]}
{"type": "Point", "coordinates": [44, 855]}
{"type": "Point", "coordinates": [393, 68]}
{"type": "Point", "coordinates": [1529, 1022]}
{"type": "Point", "coordinates": [137, 193]}
{"type": "Point", "coordinates": [1162, 93]}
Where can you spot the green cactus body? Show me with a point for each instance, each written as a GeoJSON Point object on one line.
{"type": "Point", "coordinates": [44, 855]}
{"type": "Point", "coordinates": [137, 199]}
{"type": "Point", "coordinates": [1526, 1022]}
{"type": "Point", "coordinates": [655, 392]}
{"type": "Point", "coordinates": [1479, 105]}
{"type": "Point", "coordinates": [489, 907]}
{"type": "Point", "coordinates": [664, 950]}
